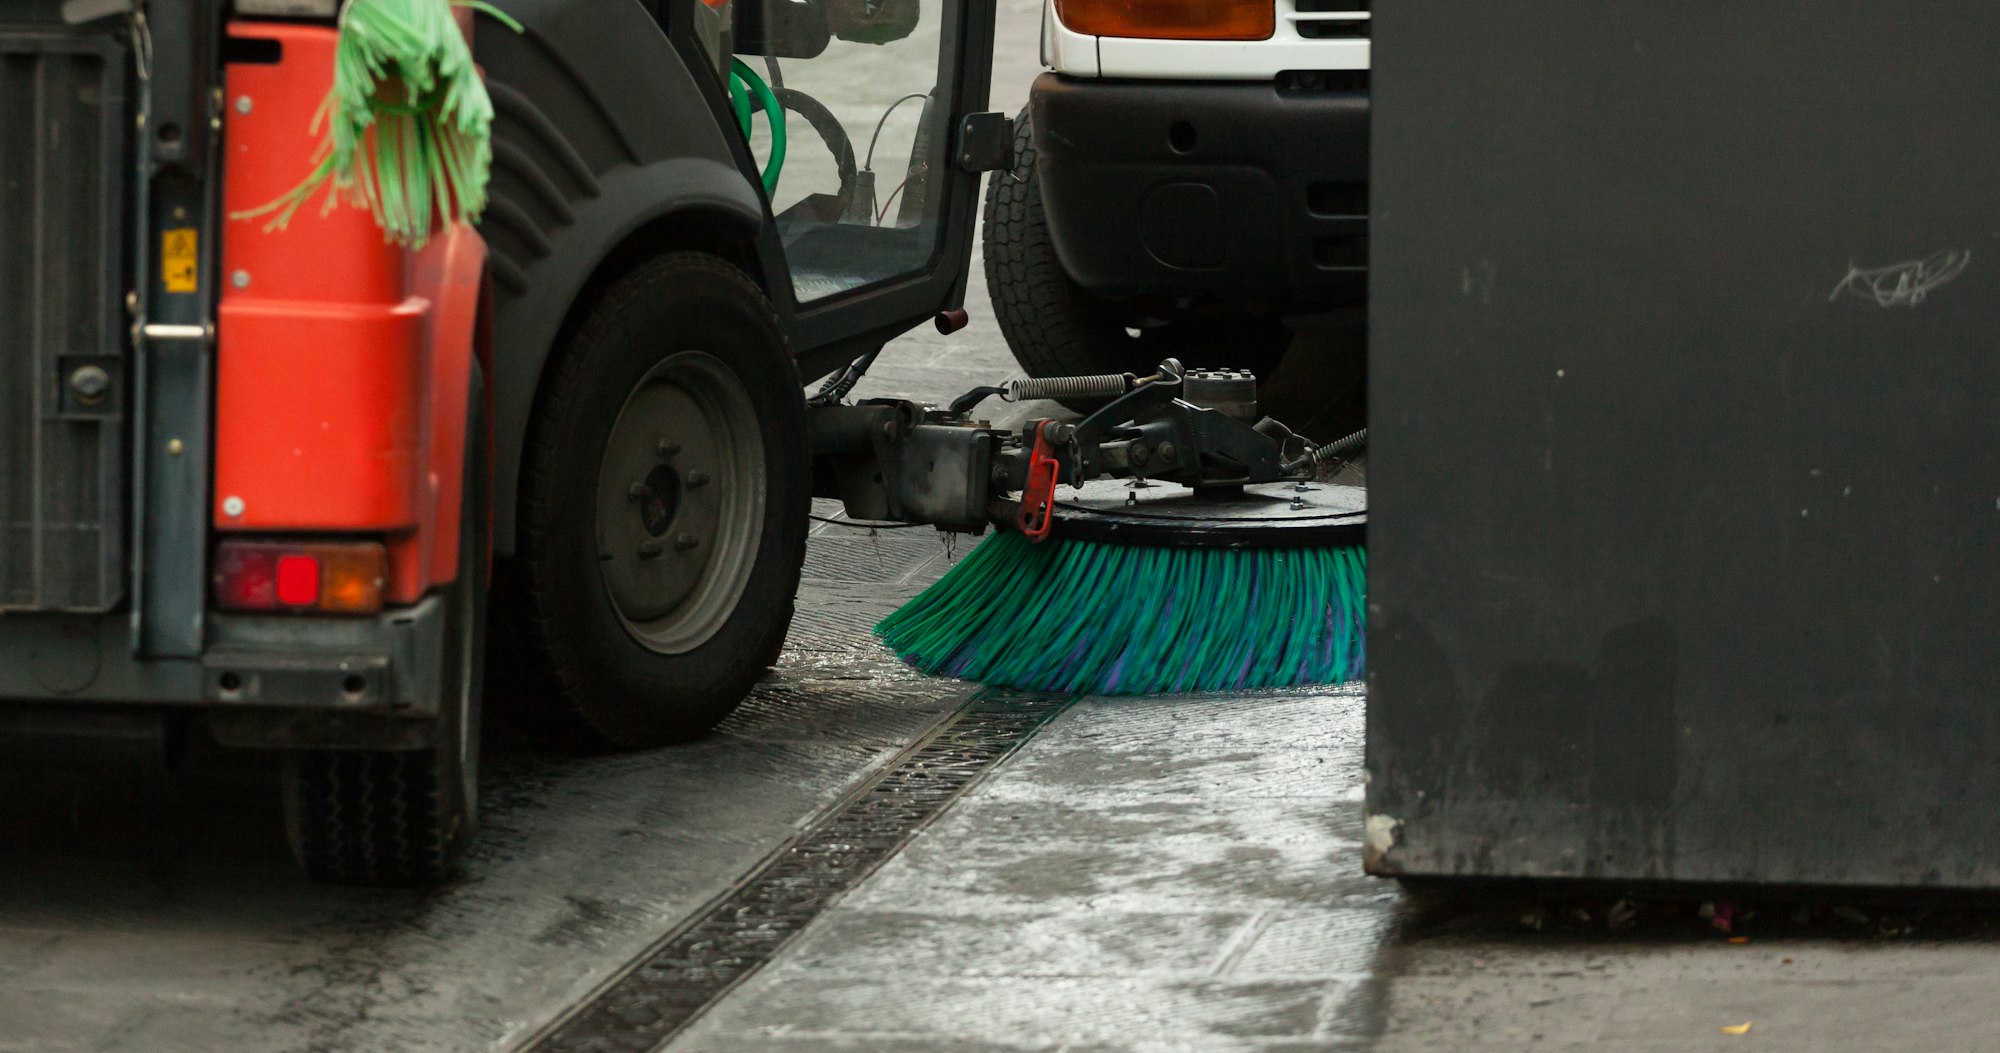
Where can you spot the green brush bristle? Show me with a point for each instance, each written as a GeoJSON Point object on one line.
{"type": "Point", "coordinates": [1088, 617]}
{"type": "Point", "coordinates": [408, 124]}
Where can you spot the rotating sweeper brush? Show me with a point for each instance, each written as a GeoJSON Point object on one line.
{"type": "Point", "coordinates": [1172, 541]}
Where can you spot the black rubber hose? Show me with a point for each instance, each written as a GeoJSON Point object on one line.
{"type": "Point", "coordinates": [830, 132]}
{"type": "Point", "coordinates": [839, 384]}
{"type": "Point", "coordinates": [964, 403]}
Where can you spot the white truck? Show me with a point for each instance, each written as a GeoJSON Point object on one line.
{"type": "Point", "coordinates": [1189, 175]}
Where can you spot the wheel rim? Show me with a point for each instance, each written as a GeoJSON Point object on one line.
{"type": "Point", "coordinates": [680, 502]}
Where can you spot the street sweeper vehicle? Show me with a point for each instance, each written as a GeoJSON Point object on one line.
{"type": "Point", "coordinates": [315, 330]}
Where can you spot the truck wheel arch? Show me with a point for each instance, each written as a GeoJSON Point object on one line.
{"type": "Point", "coordinates": [610, 133]}
{"type": "Point", "coordinates": [680, 203]}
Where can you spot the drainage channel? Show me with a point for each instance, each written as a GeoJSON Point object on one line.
{"type": "Point", "coordinates": [667, 987]}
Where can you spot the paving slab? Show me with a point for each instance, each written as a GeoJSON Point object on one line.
{"type": "Point", "coordinates": [1144, 873]}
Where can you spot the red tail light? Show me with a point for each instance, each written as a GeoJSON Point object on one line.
{"type": "Point", "coordinates": [329, 577]}
{"type": "Point", "coordinates": [298, 581]}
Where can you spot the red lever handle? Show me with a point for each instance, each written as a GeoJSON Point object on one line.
{"type": "Point", "coordinates": [1038, 497]}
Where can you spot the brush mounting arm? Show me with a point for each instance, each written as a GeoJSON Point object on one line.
{"type": "Point", "coordinates": [1187, 427]}
{"type": "Point", "coordinates": [892, 459]}
{"type": "Point", "coordinates": [1171, 441]}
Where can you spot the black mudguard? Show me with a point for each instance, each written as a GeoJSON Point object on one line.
{"type": "Point", "coordinates": [606, 132]}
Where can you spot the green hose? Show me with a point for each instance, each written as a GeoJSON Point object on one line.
{"type": "Point", "coordinates": [743, 84]}
{"type": "Point", "coordinates": [739, 101]}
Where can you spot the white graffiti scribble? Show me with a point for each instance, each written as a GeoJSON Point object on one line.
{"type": "Point", "coordinates": [1903, 284]}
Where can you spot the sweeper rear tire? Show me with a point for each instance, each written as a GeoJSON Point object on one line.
{"type": "Point", "coordinates": [1058, 328]}
{"type": "Point", "coordinates": [405, 817]}
{"type": "Point", "coordinates": [665, 502]}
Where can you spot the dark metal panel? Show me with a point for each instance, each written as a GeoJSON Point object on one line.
{"type": "Point", "coordinates": [1686, 471]}
{"type": "Point", "coordinates": [63, 120]}
{"type": "Point", "coordinates": [173, 377]}
{"type": "Point", "coordinates": [1251, 211]}
{"type": "Point", "coordinates": [176, 457]}
{"type": "Point", "coordinates": [87, 658]}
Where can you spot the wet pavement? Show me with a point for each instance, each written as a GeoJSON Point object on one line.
{"type": "Point", "coordinates": [163, 915]}
{"type": "Point", "coordinates": [1146, 873]}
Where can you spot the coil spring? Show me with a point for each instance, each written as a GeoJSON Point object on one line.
{"type": "Point", "coordinates": [1110, 385]}
{"type": "Point", "coordinates": [1342, 447]}
{"type": "Point", "coordinates": [1333, 451]}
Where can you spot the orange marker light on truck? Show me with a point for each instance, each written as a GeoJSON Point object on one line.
{"type": "Point", "coordinates": [1171, 19]}
{"type": "Point", "coordinates": [323, 577]}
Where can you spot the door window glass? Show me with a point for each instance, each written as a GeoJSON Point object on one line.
{"type": "Point", "coordinates": [855, 175]}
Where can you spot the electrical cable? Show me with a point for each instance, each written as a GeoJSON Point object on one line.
{"type": "Point", "coordinates": [864, 524]}
{"type": "Point", "coordinates": [892, 195]}
{"type": "Point", "coordinates": [870, 162]}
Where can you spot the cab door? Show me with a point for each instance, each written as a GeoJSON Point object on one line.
{"type": "Point", "coordinates": [872, 177]}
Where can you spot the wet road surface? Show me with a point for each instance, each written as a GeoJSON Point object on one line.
{"type": "Point", "coordinates": [163, 915]}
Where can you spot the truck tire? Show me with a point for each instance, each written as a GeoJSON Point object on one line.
{"type": "Point", "coordinates": [1057, 328]}
{"type": "Point", "coordinates": [405, 817]}
{"type": "Point", "coordinates": [665, 502]}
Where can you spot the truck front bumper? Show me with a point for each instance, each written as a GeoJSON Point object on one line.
{"type": "Point", "coordinates": [261, 681]}
{"type": "Point", "coordinates": [1239, 192]}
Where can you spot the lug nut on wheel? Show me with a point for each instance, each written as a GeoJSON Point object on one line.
{"type": "Point", "coordinates": [697, 478]}
{"type": "Point", "coordinates": [669, 447]}
{"type": "Point", "coordinates": [685, 542]}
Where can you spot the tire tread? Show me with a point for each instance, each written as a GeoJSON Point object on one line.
{"type": "Point", "coordinates": [588, 353]}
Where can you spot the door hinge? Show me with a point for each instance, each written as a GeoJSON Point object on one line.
{"type": "Point", "coordinates": [986, 142]}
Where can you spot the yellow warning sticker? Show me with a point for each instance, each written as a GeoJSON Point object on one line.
{"type": "Point", "coordinates": [180, 265]}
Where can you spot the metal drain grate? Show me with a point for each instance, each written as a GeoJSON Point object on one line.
{"type": "Point", "coordinates": [666, 988]}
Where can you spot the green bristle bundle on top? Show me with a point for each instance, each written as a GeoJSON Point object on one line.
{"type": "Point", "coordinates": [408, 121]}
{"type": "Point", "coordinates": [1089, 617]}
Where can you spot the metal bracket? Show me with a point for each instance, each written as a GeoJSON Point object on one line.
{"type": "Point", "coordinates": [985, 143]}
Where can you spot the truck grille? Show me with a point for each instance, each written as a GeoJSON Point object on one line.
{"type": "Point", "coordinates": [64, 120]}
{"type": "Point", "coordinates": [1327, 19]}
